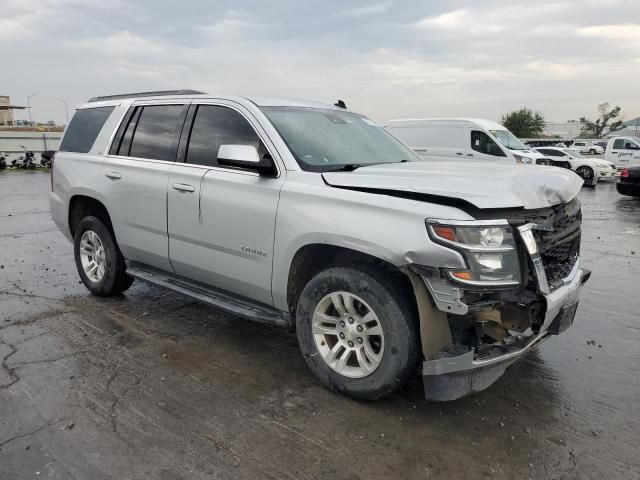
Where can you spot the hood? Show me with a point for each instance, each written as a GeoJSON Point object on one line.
{"type": "Point", "coordinates": [482, 184]}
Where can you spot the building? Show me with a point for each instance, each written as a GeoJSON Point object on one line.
{"type": "Point", "coordinates": [565, 130]}
{"type": "Point", "coordinates": [6, 111]}
{"type": "Point", "coordinates": [572, 129]}
{"type": "Point", "coordinates": [6, 114]}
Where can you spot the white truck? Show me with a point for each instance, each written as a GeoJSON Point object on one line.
{"type": "Point", "coordinates": [623, 151]}
{"type": "Point", "coordinates": [463, 139]}
{"type": "Point", "coordinates": [582, 146]}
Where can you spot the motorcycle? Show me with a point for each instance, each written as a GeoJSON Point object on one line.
{"type": "Point", "coordinates": [46, 158]}
{"type": "Point", "coordinates": [29, 161]}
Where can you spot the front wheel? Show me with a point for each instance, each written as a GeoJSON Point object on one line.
{"type": "Point", "coordinates": [587, 174]}
{"type": "Point", "coordinates": [592, 152]}
{"type": "Point", "coordinates": [357, 331]}
{"type": "Point", "coordinates": [98, 259]}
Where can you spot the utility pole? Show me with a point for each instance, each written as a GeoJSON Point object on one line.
{"type": "Point", "coordinates": [29, 104]}
{"type": "Point", "coordinates": [66, 108]}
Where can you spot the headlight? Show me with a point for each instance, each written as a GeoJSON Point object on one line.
{"type": "Point", "coordinates": [489, 250]}
{"type": "Point", "coordinates": [522, 158]}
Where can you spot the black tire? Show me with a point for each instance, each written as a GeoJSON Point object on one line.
{"type": "Point", "coordinates": [587, 174]}
{"type": "Point", "coordinates": [592, 152]}
{"type": "Point", "coordinates": [115, 279]}
{"type": "Point", "coordinates": [397, 317]}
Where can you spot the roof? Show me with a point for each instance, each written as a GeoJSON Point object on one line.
{"type": "Point", "coordinates": [482, 122]}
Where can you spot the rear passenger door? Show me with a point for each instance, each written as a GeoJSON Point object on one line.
{"type": "Point", "coordinates": [135, 176]}
{"type": "Point", "coordinates": [222, 219]}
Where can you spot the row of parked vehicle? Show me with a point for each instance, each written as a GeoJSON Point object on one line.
{"type": "Point", "coordinates": [479, 139]}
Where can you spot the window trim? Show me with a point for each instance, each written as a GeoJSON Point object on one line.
{"type": "Point", "coordinates": [123, 124]}
{"type": "Point", "coordinates": [188, 127]}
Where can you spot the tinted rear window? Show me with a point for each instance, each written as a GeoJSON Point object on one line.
{"type": "Point", "coordinates": [84, 129]}
{"type": "Point", "coordinates": [156, 135]}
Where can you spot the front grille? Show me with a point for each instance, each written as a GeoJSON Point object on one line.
{"type": "Point", "coordinates": [560, 247]}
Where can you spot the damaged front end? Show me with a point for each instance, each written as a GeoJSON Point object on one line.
{"type": "Point", "coordinates": [521, 285]}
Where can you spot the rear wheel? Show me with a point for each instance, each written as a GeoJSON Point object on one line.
{"type": "Point", "coordinates": [98, 259]}
{"type": "Point", "coordinates": [357, 331]}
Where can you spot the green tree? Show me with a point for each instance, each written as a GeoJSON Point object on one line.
{"type": "Point", "coordinates": [601, 126]}
{"type": "Point", "coordinates": [524, 123]}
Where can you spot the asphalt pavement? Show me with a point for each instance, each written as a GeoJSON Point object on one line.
{"type": "Point", "coordinates": [152, 385]}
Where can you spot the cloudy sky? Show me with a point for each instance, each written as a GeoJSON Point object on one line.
{"type": "Point", "coordinates": [387, 59]}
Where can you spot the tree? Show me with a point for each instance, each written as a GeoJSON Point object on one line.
{"type": "Point", "coordinates": [601, 126]}
{"type": "Point", "coordinates": [524, 123]}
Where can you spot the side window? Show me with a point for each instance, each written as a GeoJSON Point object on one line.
{"type": "Point", "coordinates": [481, 142]}
{"type": "Point", "coordinates": [630, 146]}
{"type": "Point", "coordinates": [84, 129]}
{"type": "Point", "coordinates": [214, 126]}
{"type": "Point", "coordinates": [618, 143]}
{"type": "Point", "coordinates": [150, 131]}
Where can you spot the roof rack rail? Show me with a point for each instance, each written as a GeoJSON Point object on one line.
{"type": "Point", "coordinates": [159, 93]}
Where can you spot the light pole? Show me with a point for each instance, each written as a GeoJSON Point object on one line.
{"type": "Point", "coordinates": [66, 108]}
{"type": "Point", "coordinates": [29, 104]}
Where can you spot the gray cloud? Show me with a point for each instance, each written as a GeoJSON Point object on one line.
{"type": "Point", "coordinates": [385, 58]}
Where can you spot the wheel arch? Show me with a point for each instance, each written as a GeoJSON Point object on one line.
{"type": "Point", "coordinates": [311, 258]}
{"type": "Point", "coordinates": [80, 206]}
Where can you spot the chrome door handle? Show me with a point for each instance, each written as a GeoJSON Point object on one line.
{"type": "Point", "coordinates": [182, 187]}
{"type": "Point", "coordinates": [113, 175]}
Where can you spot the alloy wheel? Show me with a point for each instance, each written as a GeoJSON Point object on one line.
{"type": "Point", "coordinates": [348, 334]}
{"type": "Point", "coordinates": [92, 256]}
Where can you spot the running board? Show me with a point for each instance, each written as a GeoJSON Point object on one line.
{"type": "Point", "coordinates": [206, 294]}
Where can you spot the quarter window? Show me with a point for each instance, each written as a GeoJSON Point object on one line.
{"type": "Point", "coordinates": [618, 143]}
{"type": "Point", "coordinates": [84, 129]}
{"type": "Point", "coordinates": [214, 126]}
{"type": "Point", "coordinates": [481, 142]}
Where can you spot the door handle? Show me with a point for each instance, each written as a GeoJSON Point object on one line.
{"type": "Point", "coordinates": [469, 154]}
{"type": "Point", "coordinates": [182, 187]}
{"type": "Point", "coordinates": [113, 175]}
{"type": "Point", "coordinates": [459, 153]}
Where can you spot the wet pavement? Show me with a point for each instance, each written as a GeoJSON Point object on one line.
{"type": "Point", "coordinates": [154, 385]}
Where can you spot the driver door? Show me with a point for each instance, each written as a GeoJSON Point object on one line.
{"type": "Point", "coordinates": [221, 220]}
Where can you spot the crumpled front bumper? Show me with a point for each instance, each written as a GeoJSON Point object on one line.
{"type": "Point", "coordinates": [455, 377]}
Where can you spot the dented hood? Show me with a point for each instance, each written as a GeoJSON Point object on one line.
{"type": "Point", "coordinates": [483, 184]}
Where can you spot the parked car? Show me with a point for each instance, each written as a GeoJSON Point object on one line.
{"type": "Point", "coordinates": [309, 216]}
{"type": "Point", "coordinates": [623, 151]}
{"type": "Point", "coordinates": [581, 146]}
{"type": "Point", "coordinates": [591, 170]}
{"type": "Point", "coordinates": [629, 181]}
{"type": "Point", "coordinates": [463, 139]}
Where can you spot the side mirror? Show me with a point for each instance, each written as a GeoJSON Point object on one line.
{"type": "Point", "coordinates": [245, 156]}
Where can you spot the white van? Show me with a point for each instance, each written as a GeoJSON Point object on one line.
{"type": "Point", "coordinates": [463, 138]}
{"type": "Point", "coordinates": [623, 151]}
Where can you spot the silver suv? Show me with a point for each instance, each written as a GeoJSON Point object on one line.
{"type": "Point", "coordinates": [310, 216]}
